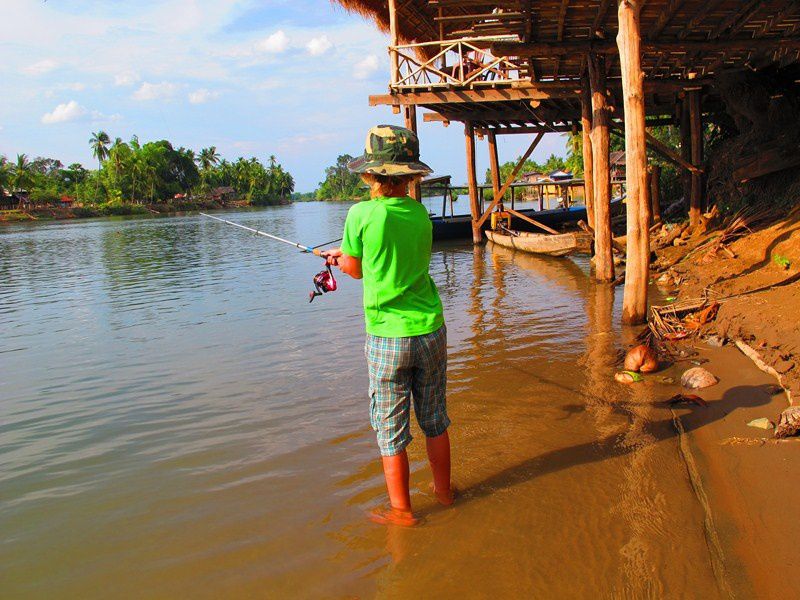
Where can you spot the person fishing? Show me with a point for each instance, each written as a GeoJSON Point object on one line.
{"type": "Point", "coordinates": [387, 243]}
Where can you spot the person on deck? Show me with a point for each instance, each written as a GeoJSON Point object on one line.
{"type": "Point", "coordinates": [387, 243]}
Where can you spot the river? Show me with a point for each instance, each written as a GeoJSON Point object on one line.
{"type": "Point", "coordinates": [176, 420]}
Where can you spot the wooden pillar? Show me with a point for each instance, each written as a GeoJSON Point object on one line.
{"type": "Point", "coordinates": [410, 122]}
{"type": "Point", "coordinates": [655, 193]}
{"type": "Point", "coordinates": [637, 266]}
{"type": "Point", "coordinates": [696, 131]}
{"type": "Point", "coordinates": [604, 258]}
{"type": "Point", "coordinates": [586, 132]}
{"type": "Point", "coordinates": [472, 182]}
{"type": "Point", "coordinates": [494, 164]}
{"type": "Point", "coordinates": [393, 41]}
{"type": "Point", "coordinates": [686, 148]}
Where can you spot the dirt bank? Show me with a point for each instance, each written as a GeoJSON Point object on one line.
{"type": "Point", "coordinates": [755, 280]}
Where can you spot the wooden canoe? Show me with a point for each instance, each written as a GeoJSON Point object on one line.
{"type": "Point", "coordinates": [543, 243]}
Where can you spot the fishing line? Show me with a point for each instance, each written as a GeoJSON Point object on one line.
{"type": "Point", "coordinates": [324, 281]}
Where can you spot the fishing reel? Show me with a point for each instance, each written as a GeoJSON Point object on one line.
{"type": "Point", "coordinates": [324, 282]}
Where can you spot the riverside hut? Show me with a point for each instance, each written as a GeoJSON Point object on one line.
{"type": "Point", "coordinates": [530, 67]}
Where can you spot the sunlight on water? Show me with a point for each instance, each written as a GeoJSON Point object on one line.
{"type": "Point", "coordinates": [176, 420]}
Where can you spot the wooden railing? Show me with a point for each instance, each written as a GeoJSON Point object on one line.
{"type": "Point", "coordinates": [460, 63]}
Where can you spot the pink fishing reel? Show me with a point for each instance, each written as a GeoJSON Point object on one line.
{"type": "Point", "coordinates": [324, 282]}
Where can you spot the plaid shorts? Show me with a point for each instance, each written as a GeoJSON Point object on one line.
{"type": "Point", "coordinates": [401, 369]}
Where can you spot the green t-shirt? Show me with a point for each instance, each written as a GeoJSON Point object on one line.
{"type": "Point", "coordinates": [392, 237]}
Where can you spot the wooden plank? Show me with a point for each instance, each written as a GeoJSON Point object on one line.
{"type": "Point", "coordinates": [745, 10]}
{"type": "Point", "coordinates": [472, 182]}
{"type": "Point", "coordinates": [510, 180]}
{"type": "Point", "coordinates": [637, 263]}
{"type": "Point", "coordinates": [393, 41]}
{"type": "Point", "coordinates": [532, 221]}
{"type": "Point", "coordinates": [604, 258]}
{"type": "Point", "coordinates": [704, 10]}
{"type": "Point", "coordinates": [477, 95]}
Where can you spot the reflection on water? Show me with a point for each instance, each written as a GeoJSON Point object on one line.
{"type": "Point", "coordinates": [176, 420]}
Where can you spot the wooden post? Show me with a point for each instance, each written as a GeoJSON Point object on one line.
{"type": "Point", "coordinates": [410, 118]}
{"type": "Point", "coordinates": [696, 130]}
{"type": "Point", "coordinates": [686, 147]}
{"type": "Point", "coordinates": [472, 182]}
{"type": "Point", "coordinates": [604, 258]}
{"type": "Point", "coordinates": [393, 41]}
{"type": "Point", "coordinates": [494, 164]}
{"type": "Point", "coordinates": [586, 132]}
{"type": "Point", "coordinates": [655, 193]}
{"type": "Point", "coordinates": [637, 265]}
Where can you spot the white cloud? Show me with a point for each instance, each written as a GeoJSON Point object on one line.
{"type": "Point", "coordinates": [68, 111]}
{"type": "Point", "coordinates": [126, 79]}
{"type": "Point", "coordinates": [98, 117]}
{"type": "Point", "coordinates": [156, 91]}
{"type": "Point", "coordinates": [319, 45]}
{"type": "Point", "coordinates": [276, 43]}
{"type": "Point", "coordinates": [366, 67]}
{"type": "Point", "coordinates": [41, 67]}
{"type": "Point", "coordinates": [202, 96]}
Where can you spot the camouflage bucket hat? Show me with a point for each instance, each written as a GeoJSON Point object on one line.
{"type": "Point", "coordinates": [390, 150]}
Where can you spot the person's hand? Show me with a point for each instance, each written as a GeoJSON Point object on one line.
{"type": "Point", "coordinates": [332, 256]}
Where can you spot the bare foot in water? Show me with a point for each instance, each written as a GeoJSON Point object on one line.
{"type": "Point", "coordinates": [384, 515]}
{"type": "Point", "coordinates": [445, 498]}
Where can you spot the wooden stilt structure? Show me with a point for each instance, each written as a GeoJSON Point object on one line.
{"type": "Point", "coordinates": [586, 133]}
{"type": "Point", "coordinates": [494, 164]}
{"type": "Point", "coordinates": [655, 193]}
{"type": "Point", "coordinates": [637, 266]}
{"type": "Point", "coordinates": [696, 134]}
{"type": "Point", "coordinates": [604, 258]}
{"type": "Point", "coordinates": [410, 122]}
{"type": "Point", "coordinates": [686, 147]}
{"type": "Point", "coordinates": [472, 182]}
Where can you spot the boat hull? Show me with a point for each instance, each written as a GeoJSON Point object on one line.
{"type": "Point", "coordinates": [460, 227]}
{"type": "Point", "coordinates": [542, 243]}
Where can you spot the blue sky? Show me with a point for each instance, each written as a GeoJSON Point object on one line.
{"type": "Point", "coordinates": [252, 77]}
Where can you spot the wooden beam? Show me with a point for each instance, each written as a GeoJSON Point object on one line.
{"type": "Point", "coordinates": [410, 122]}
{"type": "Point", "coordinates": [525, 217]}
{"type": "Point", "coordinates": [477, 95]}
{"type": "Point", "coordinates": [704, 10]}
{"type": "Point", "coordinates": [686, 147]}
{"type": "Point", "coordinates": [535, 130]}
{"type": "Point", "coordinates": [494, 164]}
{"type": "Point", "coordinates": [472, 182]}
{"type": "Point", "coordinates": [665, 17]}
{"type": "Point", "coordinates": [664, 150]}
{"type": "Point", "coordinates": [510, 180]}
{"type": "Point", "coordinates": [655, 193]}
{"type": "Point", "coordinates": [586, 138]}
{"type": "Point", "coordinates": [600, 18]}
{"type": "Point", "coordinates": [696, 127]}
{"type": "Point", "coordinates": [393, 42]}
{"type": "Point", "coordinates": [604, 258]}
{"type": "Point", "coordinates": [552, 49]}
{"type": "Point", "coordinates": [745, 11]}
{"type": "Point", "coordinates": [637, 264]}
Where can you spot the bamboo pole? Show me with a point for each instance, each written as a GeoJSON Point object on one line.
{"type": "Point", "coordinates": [696, 133]}
{"type": "Point", "coordinates": [655, 193]}
{"type": "Point", "coordinates": [393, 41]}
{"type": "Point", "coordinates": [472, 182]}
{"type": "Point", "coordinates": [586, 131]}
{"type": "Point", "coordinates": [604, 258]}
{"type": "Point", "coordinates": [637, 266]}
{"type": "Point", "coordinates": [410, 118]}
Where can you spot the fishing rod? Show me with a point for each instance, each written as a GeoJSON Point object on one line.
{"type": "Point", "coordinates": [324, 281]}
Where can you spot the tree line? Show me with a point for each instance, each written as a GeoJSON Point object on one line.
{"type": "Point", "coordinates": [153, 172]}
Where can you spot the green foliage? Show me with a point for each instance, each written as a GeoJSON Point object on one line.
{"type": "Point", "coordinates": [132, 173]}
{"type": "Point", "coordinates": [340, 183]}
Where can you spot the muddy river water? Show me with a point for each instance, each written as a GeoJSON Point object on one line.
{"type": "Point", "coordinates": [177, 421]}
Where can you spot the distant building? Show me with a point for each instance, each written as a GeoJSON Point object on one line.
{"type": "Point", "coordinates": [616, 162]}
{"type": "Point", "coordinates": [532, 177]}
{"type": "Point", "coordinates": [223, 194]}
{"type": "Point", "coordinates": [560, 175]}
{"type": "Point", "coordinates": [66, 201]}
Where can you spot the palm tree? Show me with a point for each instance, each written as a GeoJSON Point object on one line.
{"type": "Point", "coordinates": [21, 176]}
{"type": "Point", "coordinates": [99, 143]}
{"type": "Point", "coordinates": [5, 174]}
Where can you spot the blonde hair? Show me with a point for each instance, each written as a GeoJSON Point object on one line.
{"type": "Point", "coordinates": [388, 185]}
